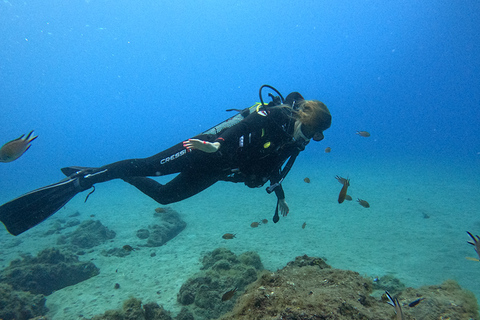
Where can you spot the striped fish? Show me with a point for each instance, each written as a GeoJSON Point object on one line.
{"type": "Point", "coordinates": [394, 303]}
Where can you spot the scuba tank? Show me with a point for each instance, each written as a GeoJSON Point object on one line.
{"type": "Point", "coordinates": [242, 114]}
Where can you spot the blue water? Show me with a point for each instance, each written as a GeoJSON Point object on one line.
{"type": "Point", "coordinates": [101, 81]}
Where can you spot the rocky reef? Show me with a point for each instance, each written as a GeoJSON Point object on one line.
{"type": "Point", "coordinates": [201, 295]}
{"type": "Point", "coordinates": [26, 281]}
{"type": "Point", "coordinates": [222, 272]}
{"type": "Point", "coordinates": [50, 270]}
{"type": "Point", "coordinates": [306, 289]}
{"type": "Point", "coordinates": [133, 309]}
{"type": "Point", "coordinates": [20, 305]}
{"type": "Point", "coordinates": [89, 233]}
{"type": "Point", "coordinates": [168, 227]}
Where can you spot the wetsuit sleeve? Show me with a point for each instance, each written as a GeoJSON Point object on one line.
{"type": "Point", "coordinates": [278, 189]}
{"type": "Point", "coordinates": [279, 192]}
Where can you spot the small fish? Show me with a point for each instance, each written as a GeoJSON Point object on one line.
{"type": "Point", "coordinates": [343, 192]}
{"type": "Point", "coordinates": [363, 134]}
{"type": "Point", "coordinates": [476, 244]}
{"type": "Point", "coordinates": [363, 203]}
{"type": "Point", "coordinates": [307, 180]}
{"type": "Point", "coordinates": [254, 224]}
{"type": "Point", "coordinates": [304, 225]}
{"type": "Point", "coordinates": [415, 302]}
{"type": "Point", "coordinates": [228, 236]}
{"type": "Point", "coordinates": [328, 149]}
{"type": "Point", "coordinates": [160, 210]}
{"type": "Point", "coordinates": [229, 294]}
{"type": "Point", "coordinates": [264, 221]}
{"type": "Point", "coordinates": [14, 149]}
{"type": "Point", "coordinates": [348, 198]}
{"type": "Point", "coordinates": [394, 303]}
{"type": "Point", "coordinates": [127, 248]}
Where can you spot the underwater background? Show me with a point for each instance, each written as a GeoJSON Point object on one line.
{"type": "Point", "coordinates": [102, 81]}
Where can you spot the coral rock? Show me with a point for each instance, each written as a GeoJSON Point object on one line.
{"type": "Point", "coordinates": [51, 270]}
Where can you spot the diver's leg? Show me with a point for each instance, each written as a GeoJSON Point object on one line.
{"type": "Point", "coordinates": [183, 186]}
{"type": "Point", "coordinates": [28, 210]}
{"type": "Point", "coordinates": [172, 160]}
{"type": "Point", "coordinates": [169, 161]}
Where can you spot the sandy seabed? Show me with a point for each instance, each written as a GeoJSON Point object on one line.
{"type": "Point", "coordinates": [414, 230]}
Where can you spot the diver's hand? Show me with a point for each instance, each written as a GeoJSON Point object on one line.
{"type": "Point", "coordinates": [283, 207]}
{"type": "Point", "coordinates": [205, 146]}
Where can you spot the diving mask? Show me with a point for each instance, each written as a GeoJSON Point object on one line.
{"type": "Point", "coordinates": [308, 134]}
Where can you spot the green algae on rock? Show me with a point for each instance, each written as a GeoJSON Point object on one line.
{"type": "Point", "coordinates": [89, 234]}
{"type": "Point", "coordinates": [19, 304]}
{"type": "Point", "coordinates": [309, 289]}
{"type": "Point", "coordinates": [222, 270]}
{"type": "Point", "coordinates": [169, 226]}
{"type": "Point", "coordinates": [50, 270]}
{"type": "Point", "coordinates": [133, 309]}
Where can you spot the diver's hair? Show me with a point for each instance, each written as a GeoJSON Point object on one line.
{"type": "Point", "coordinates": [313, 114]}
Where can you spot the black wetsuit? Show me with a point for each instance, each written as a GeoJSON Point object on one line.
{"type": "Point", "coordinates": [252, 151]}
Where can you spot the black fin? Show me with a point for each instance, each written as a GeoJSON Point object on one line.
{"type": "Point", "coordinates": [30, 209]}
{"type": "Point", "coordinates": [275, 216]}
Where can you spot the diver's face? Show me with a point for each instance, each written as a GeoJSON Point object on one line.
{"type": "Point", "coordinates": [298, 133]}
{"type": "Point", "coordinates": [302, 132]}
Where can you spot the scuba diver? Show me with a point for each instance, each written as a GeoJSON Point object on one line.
{"type": "Point", "coordinates": [250, 147]}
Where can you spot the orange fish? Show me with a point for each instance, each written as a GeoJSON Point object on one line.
{"type": "Point", "coordinates": [14, 149]}
{"type": "Point", "coordinates": [328, 149]}
{"type": "Point", "coordinates": [307, 180]}
{"type": "Point", "coordinates": [363, 134]}
{"type": "Point", "coordinates": [343, 192]}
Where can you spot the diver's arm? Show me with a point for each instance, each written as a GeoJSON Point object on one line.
{"type": "Point", "coordinates": [229, 138]}
{"type": "Point", "coordinates": [202, 145]}
{"type": "Point", "coordinates": [282, 204]}
{"type": "Point", "coordinates": [276, 183]}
